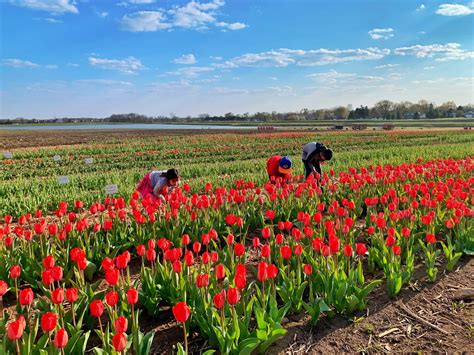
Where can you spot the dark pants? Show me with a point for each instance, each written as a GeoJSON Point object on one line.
{"type": "Point", "coordinates": [308, 168]}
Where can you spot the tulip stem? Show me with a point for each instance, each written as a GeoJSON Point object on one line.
{"type": "Point", "coordinates": [17, 347]}
{"type": "Point", "coordinates": [185, 339]}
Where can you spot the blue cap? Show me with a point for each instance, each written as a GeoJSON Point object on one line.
{"type": "Point", "coordinates": [285, 165]}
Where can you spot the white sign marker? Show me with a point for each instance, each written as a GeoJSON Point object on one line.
{"type": "Point", "coordinates": [7, 154]}
{"type": "Point", "coordinates": [111, 189]}
{"type": "Point", "coordinates": [57, 158]}
{"type": "Point", "coordinates": [63, 179]}
{"type": "Point", "coordinates": [89, 160]}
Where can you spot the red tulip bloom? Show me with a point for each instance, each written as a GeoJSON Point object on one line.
{"type": "Point", "coordinates": [177, 267]}
{"type": "Point", "coordinates": [262, 271]}
{"type": "Point", "coordinates": [189, 258]}
{"type": "Point", "coordinates": [279, 239]}
{"type": "Point", "coordinates": [151, 255]}
{"type": "Point", "coordinates": [48, 262]}
{"type": "Point", "coordinates": [219, 300]}
{"type": "Point", "coordinates": [285, 252]}
{"type": "Point", "coordinates": [361, 249]}
{"type": "Point", "coordinates": [61, 338]}
{"type": "Point", "coordinates": [96, 308]}
{"type": "Point", "coordinates": [325, 250]}
{"type": "Point", "coordinates": [265, 251]}
{"type": "Point", "coordinates": [272, 271]}
{"type": "Point", "coordinates": [121, 324]}
{"type": "Point", "coordinates": [196, 247]}
{"type": "Point", "coordinates": [185, 240]}
{"type": "Point", "coordinates": [111, 298]}
{"type": "Point", "coordinates": [230, 239]}
{"type": "Point", "coordinates": [3, 288]}
{"type": "Point", "coordinates": [370, 230]}
{"type": "Point", "coordinates": [15, 329]}
{"type": "Point", "coordinates": [396, 249]}
{"type": "Point", "coordinates": [430, 238]}
{"type": "Point", "coordinates": [57, 273]}
{"type": "Point", "coordinates": [205, 258]}
{"type": "Point", "coordinates": [220, 272]}
{"type": "Point", "coordinates": [298, 249]}
{"type": "Point", "coordinates": [334, 245]}
{"type": "Point", "coordinates": [240, 276]}
{"type": "Point", "coordinates": [15, 271]}
{"type": "Point", "coordinates": [48, 322]}
{"type": "Point", "coordinates": [449, 223]}
{"type": "Point", "coordinates": [348, 250]}
{"type": "Point", "coordinates": [405, 232]}
{"type": "Point", "coordinates": [57, 296]}
{"type": "Point", "coordinates": [132, 296]}
{"type": "Point", "coordinates": [266, 232]}
{"type": "Point", "coordinates": [181, 312]}
{"type": "Point", "coordinates": [47, 278]}
{"type": "Point", "coordinates": [239, 249]}
{"type": "Point", "coordinates": [202, 280]}
{"type": "Point", "coordinates": [390, 241]}
{"type": "Point", "coordinates": [26, 296]}
{"type": "Point", "coordinates": [308, 269]}
{"type": "Point", "coordinates": [71, 295]}
{"type": "Point", "coordinates": [141, 250]}
{"type": "Point", "coordinates": [119, 341]}
{"type": "Point", "coordinates": [233, 296]}
{"type": "Point", "coordinates": [112, 276]}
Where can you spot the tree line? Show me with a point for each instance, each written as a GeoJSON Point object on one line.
{"type": "Point", "coordinates": [384, 109]}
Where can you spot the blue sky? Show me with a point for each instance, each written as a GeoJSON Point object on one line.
{"type": "Point", "coordinates": [95, 58]}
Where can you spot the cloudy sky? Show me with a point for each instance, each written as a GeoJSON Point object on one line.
{"type": "Point", "coordinates": [82, 58]}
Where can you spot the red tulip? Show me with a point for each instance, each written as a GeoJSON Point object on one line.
{"type": "Point", "coordinates": [47, 278]}
{"type": "Point", "coordinates": [390, 241]}
{"type": "Point", "coordinates": [181, 312]}
{"type": "Point", "coordinates": [396, 249]}
{"type": "Point", "coordinates": [3, 288]}
{"type": "Point", "coordinates": [57, 296]}
{"type": "Point", "coordinates": [233, 296]}
{"type": "Point", "coordinates": [405, 232]}
{"type": "Point", "coordinates": [132, 296]}
{"type": "Point", "coordinates": [185, 240]}
{"type": "Point", "coordinates": [57, 273]}
{"type": "Point", "coordinates": [266, 232]}
{"type": "Point", "coordinates": [121, 324]}
{"type": "Point", "coordinates": [189, 258]}
{"type": "Point", "coordinates": [61, 338]}
{"type": "Point", "coordinates": [239, 249]}
{"type": "Point", "coordinates": [430, 238]}
{"type": "Point", "coordinates": [219, 300]}
{"type": "Point", "coordinates": [71, 294]}
{"type": "Point", "coordinates": [262, 274]}
{"type": "Point", "coordinates": [265, 251]}
{"type": "Point", "coordinates": [15, 271]}
{"type": "Point", "coordinates": [279, 239]}
{"type": "Point", "coordinates": [141, 250]}
{"type": "Point", "coordinates": [15, 329]}
{"type": "Point", "coordinates": [112, 276]}
{"type": "Point", "coordinates": [325, 250]}
{"type": "Point", "coordinates": [151, 255]}
{"type": "Point", "coordinates": [285, 252]}
{"type": "Point", "coordinates": [48, 322]}
{"type": "Point", "coordinates": [202, 280]}
{"type": "Point", "coordinates": [48, 262]}
{"type": "Point", "coordinates": [348, 250]}
{"type": "Point", "coordinates": [361, 249]}
{"type": "Point", "coordinates": [177, 267]}
{"type": "Point", "coordinates": [272, 271]}
{"type": "Point", "coordinates": [96, 308]}
{"type": "Point", "coordinates": [220, 272]}
{"type": "Point", "coordinates": [230, 239]}
{"type": "Point", "coordinates": [308, 269]}
{"type": "Point", "coordinates": [240, 276]}
{"type": "Point", "coordinates": [26, 296]}
{"type": "Point", "coordinates": [119, 341]}
{"type": "Point", "coordinates": [196, 247]}
{"type": "Point", "coordinates": [111, 298]}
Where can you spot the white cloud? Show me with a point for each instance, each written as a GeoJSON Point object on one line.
{"type": "Point", "coordinates": [394, 76]}
{"type": "Point", "coordinates": [190, 72]}
{"type": "Point", "coordinates": [387, 66]}
{"type": "Point", "coordinates": [53, 6]}
{"type": "Point", "coordinates": [103, 14]}
{"type": "Point", "coordinates": [51, 66]}
{"type": "Point", "coordinates": [421, 7]}
{"type": "Point", "coordinates": [73, 65]}
{"type": "Point", "coordinates": [193, 15]}
{"type": "Point", "coordinates": [381, 33]}
{"type": "Point", "coordinates": [128, 65]}
{"type": "Point", "coordinates": [218, 58]}
{"type": "Point", "coordinates": [145, 21]}
{"type": "Point", "coordinates": [442, 52]}
{"type": "Point", "coordinates": [19, 63]}
{"type": "Point", "coordinates": [284, 57]}
{"type": "Point", "coordinates": [429, 68]}
{"type": "Point", "coordinates": [104, 82]}
{"type": "Point", "coordinates": [333, 77]}
{"type": "Point", "coordinates": [140, 2]}
{"type": "Point", "coordinates": [232, 26]}
{"type": "Point", "coordinates": [274, 78]}
{"type": "Point", "coordinates": [185, 59]}
{"type": "Point", "coordinates": [52, 20]}
{"type": "Point", "coordinates": [454, 10]}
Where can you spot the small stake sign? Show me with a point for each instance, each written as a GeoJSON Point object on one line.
{"type": "Point", "coordinates": [89, 160]}
{"type": "Point", "coordinates": [57, 158]}
{"type": "Point", "coordinates": [111, 189]}
{"type": "Point", "coordinates": [63, 179]}
{"type": "Point", "coordinates": [7, 154]}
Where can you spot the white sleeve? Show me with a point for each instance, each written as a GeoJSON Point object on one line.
{"type": "Point", "coordinates": [159, 185]}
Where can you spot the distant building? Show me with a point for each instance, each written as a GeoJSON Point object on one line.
{"type": "Point", "coordinates": [469, 114]}
{"type": "Point", "coordinates": [359, 127]}
{"type": "Point", "coordinates": [414, 115]}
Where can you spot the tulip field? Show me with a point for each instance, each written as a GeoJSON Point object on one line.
{"type": "Point", "coordinates": [229, 256]}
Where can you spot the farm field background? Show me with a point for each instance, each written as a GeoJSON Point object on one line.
{"type": "Point", "coordinates": [263, 267]}
{"type": "Point", "coordinates": [219, 158]}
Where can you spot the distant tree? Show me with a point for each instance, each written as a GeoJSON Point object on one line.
{"type": "Point", "coordinates": [383, 108]}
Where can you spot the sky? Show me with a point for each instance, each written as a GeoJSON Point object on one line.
{"type": "Point", "coordinates": [94, 58]}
